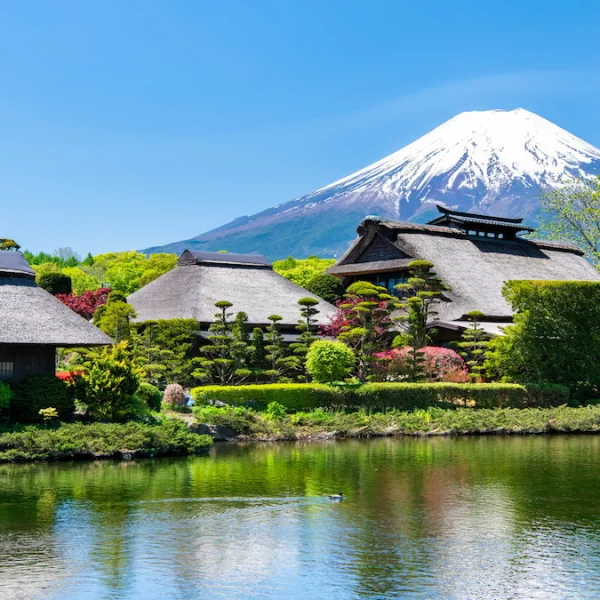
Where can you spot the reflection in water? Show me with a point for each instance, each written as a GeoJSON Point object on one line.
{"type": "Point", "coordinates": [442, 518]}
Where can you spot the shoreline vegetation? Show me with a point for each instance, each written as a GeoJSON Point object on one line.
{"type": "Point", "coordinates": [243, 424]}
{"type": "Point", "coordinates": [189, 434]}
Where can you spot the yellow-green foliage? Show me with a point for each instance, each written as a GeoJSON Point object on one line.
{"type": "Point", "coordinates": [382, 396]}
{"type": "Point", "coordinates": [125, 272]}
{"type": "Point", "coordinates": [301, 271]}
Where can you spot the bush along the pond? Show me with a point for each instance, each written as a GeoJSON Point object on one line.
{"type": "Point", "coordinates": [100, 440]}
{"type": "Point", "coordinates": [37, 392]}
{"type": "Point", "coordinates": [430, 421]}
{"type": "Point", "coordinates": [383, 396]}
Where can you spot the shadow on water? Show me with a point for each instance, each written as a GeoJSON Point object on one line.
{"type": "Point", "coordinates": [447, 518]}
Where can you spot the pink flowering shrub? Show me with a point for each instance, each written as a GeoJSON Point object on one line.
{"type": "Point", "coordinates": [439, 364]}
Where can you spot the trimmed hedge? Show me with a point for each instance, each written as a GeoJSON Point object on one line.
{"type": "Point", "coordinates": [382, 396]}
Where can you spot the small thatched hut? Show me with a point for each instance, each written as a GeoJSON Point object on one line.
{"type": "Point", "coordinates": [473, 254]}
{"type": "Point", "coordinates": [200, 279]}
{"type": "Point", "coordinates": [33, 323]}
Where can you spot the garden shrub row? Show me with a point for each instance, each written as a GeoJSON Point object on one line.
{"type": "Point", "coordinates": [382, 396]}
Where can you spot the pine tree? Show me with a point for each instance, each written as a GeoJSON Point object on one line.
{"type": "Point", "coordinates": [307, 326]}
{"type": "Point", "coordinates": [421, 296]}
{"type": "Point", "coordinates": [473, 345]}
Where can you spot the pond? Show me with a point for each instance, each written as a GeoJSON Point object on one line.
{"type": "Point", "coordinates": [486, 517]}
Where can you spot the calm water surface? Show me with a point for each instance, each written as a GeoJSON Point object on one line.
{"type": "Point", "coordinates": [457, 519]}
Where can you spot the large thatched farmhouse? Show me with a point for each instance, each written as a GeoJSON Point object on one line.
{"type": "Point", "coordinates": [473, 254]}
{"type": "Point", "coordinates": [248, 281]}
{"type": "Point", "coordinates": [33, 323]}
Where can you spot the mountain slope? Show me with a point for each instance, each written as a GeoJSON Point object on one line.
{"type": "Point", "coordinates": [492, 162]}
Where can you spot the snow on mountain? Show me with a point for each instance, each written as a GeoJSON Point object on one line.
{"type": "Point", "coordinates": [494, 162]}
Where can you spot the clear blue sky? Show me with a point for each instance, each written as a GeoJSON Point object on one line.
{"type": "Point", "coordinates": [127, 124]}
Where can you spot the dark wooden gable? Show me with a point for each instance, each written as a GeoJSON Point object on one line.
{"type": "Point", "coordinates": [380, 249]}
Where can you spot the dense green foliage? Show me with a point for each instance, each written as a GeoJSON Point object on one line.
{"type": "Point", "coordinates": [6, 395]}
{"type": "Point", "coordinates": [430, 421]}
{"type": "Point", "coordinates": [329, 361]}
{"type": "Point", "coordinates": [302, 271]}
{"type": "Point", "coordinates": [56, 283]}
{"type": "Point", "coordinates": [473, 345]}
{"type": "Point", "coordinates": [37, 392]}
{"type": "Point", "coordinates": [381, 396]}
{"type": "Point", "coordinates": [165, 349]}
{"type": "Point", "coordinates": [150, 395]}
{"type": "Point", "coordinates": [114, 317]}
{"type": "Point", "coordinates": [328, 287]}
{"type": "Point", "coordinates": [100, 440]}
{"type": "Point", "coordinates": [109, 384]}
{"type": "Point", "coordinates": [421, 296]}
{"type": "Point", "coordinates": [555, 336]}
{"type": "Point", "coordinates": [572, 213]}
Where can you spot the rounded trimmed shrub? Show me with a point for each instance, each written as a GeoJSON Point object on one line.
{"type": "Point", "coordinates": [174, 395]}
{"type": "Point", "coordinates": [56, 283]}
{"type": "Point", "coordinates": [328, 361]}
{"type": "Point", "coordinates": [150, 395]}
{"type": "Point", "coordinates": [328, 287]}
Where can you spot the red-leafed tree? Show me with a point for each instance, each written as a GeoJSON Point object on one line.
{"type": "Point", "coordinates": [87, 303]}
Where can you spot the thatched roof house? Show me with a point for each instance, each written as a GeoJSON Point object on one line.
{"type": "Point", "coordinates": [200, 279]}
{"type": "Point", "coordinates": [33, 323]}
{"type": "Point", "coordinates": [473, 254]}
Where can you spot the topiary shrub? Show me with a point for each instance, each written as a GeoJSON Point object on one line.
{"type": "Point", "coordinates": [150, 395]}
{"type": "Point", "coordinates": [328, 287]}
{"type": "Point", "coordinates": [56, 283]}
{"type": "Point", "coordinates": [328, 361]}
{"type": "Point", "coordinates": [37, 392]}
{"type": "Point", "coordinates": [174, 395]}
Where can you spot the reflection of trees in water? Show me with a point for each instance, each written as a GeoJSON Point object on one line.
{"type": "Point", "coordinates": [415, 509]}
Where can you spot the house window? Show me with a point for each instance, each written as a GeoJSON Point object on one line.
{"type": "Point", "coordinates": [6, 369]}
{"type": "Point", "coordinates": [389, 280]}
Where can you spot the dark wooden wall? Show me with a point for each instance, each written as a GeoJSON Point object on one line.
{"type": "Point", "coordinates": [29, 359]}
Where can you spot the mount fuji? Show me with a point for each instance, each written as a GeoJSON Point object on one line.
{"type": "Point", "coordinates": [492, 162]}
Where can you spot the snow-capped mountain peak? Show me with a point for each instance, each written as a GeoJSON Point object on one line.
{"type": "Point", "coordinates": [491, 148]}
{"type": "Point", "coordinates": [493, 161]}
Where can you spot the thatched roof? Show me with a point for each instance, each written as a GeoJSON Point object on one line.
{"type": "Point", "coordinates": [30, 315]}
{"type": "Point", "coordinates": [475, 268]}
{"type": "Point", "coordinates": [192, 288]}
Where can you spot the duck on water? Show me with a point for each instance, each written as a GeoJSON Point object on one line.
{"type": "Point", "coordinates": [339, 497]}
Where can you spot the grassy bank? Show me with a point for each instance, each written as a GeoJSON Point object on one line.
{"type": "Point", "coordinates": [99, 440]}
{"type": "Point", "coordinates": [251, 424]}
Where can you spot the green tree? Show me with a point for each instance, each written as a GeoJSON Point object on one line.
{"type": "Point", "coordinates": [8, 244]}
{"type": "Point", "coordinates": [367, 321]}
{"type": "Point", "coordinates": [226, 357]}
{"type": "Point", "coordinates": [277, 358]}
{"type": "Point", "coordinates": [325, 286]}
{"type": "Point", "coordinates": [307, 326]}
{"type": "Point", "coordinates": [555, 337]}
{"type": "Point", "coordinates": [259, 353]}
{"type": "Point", "coordinates": [421, 296]}
{"type": "Point", "coordinates": [114, 317]}
{"type": "Point", "coordinates": [301, 271]}
{"type": "Point", "coordinates": [109, 383]}
{"type": "Point", "coordinates": [56, 283]}
{"type": "Point", "coordinates": [329, 361]}
{"type": "Point", "coordinates": [572, 212]}
{"type": "Point", "coordinates": [473, 345]}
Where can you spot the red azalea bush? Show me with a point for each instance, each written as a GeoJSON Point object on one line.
{"type": "Point", "coordinates": [68, 376]}
{"type": "Point", "coordinates": [86, 304]}
{"type": "Point", "coordinates": [439, 364]}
